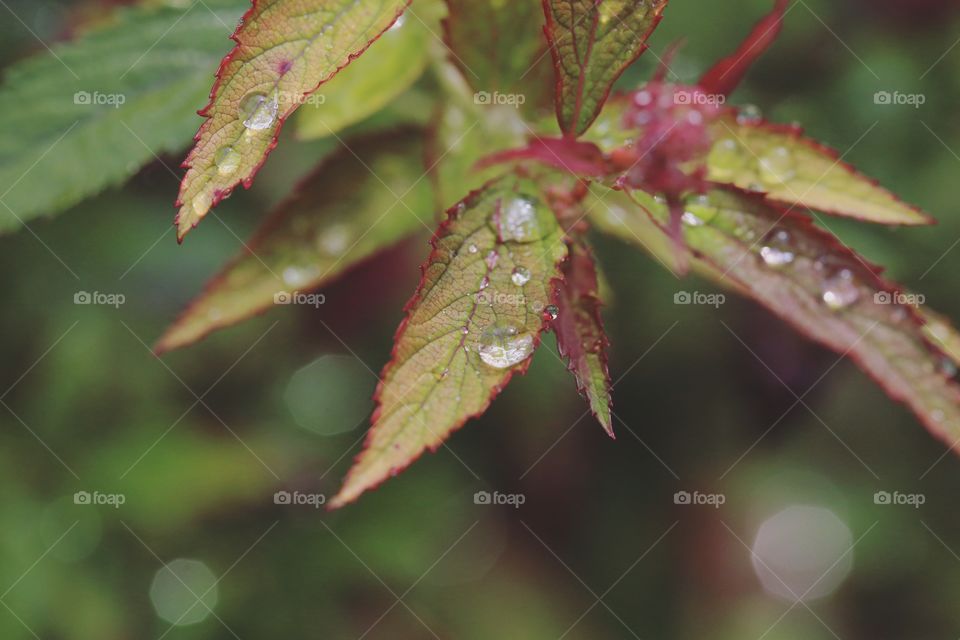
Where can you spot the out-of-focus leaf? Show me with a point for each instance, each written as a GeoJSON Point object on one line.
{"type": "Point", "coordinates": [285, 51]}
{"type": "Point", "coordinates": [88, 116]}
{"type": "Point", "coordinates": [473, 323]}
{"type": "Point", "coordinates": [358, 202]}
{"type": "Point", "coordinates": [942, 333]}
{"type": "Point", "coordinates": [579, 328]}
{"type": "Point", "coordinates": [499, 47]}
{"type": "Point", "coordinates": [813, 282]}
{"type": "Point", "coordinates": [591, 44]}
{"type": "Point", "coordinates": [370, 83]}
{"type": "Point", "coordinates": [795, 170]}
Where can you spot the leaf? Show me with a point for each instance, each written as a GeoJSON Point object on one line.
{"type": "Point", "coordinates": [498, 47]}
{"type": "Point", "coordinates": [356, 203]}
{"type": "Point", "coordinates": [824, 290]}
{"type": "Point", "coordinates": [941, 333]}
{"type": "Point", "coordinates": [65, 136]}
{"type": "Point", "coordinates": [370, 83]}
{"type": "Point", "coordinates": [285, 51]}
{"type": "Point", "coordinates": [473, 323]}
{"type": "Point", "coordinates": [579, 328]}
{"type": "Point", "coordinates": [792, 169]}
{"type": "Point", "coordinates": [592, 42]}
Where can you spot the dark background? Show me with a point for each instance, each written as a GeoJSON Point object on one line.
{"type": "Point", "coordinates": [706, 399]}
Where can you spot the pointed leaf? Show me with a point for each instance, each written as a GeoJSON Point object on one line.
{"type": "Point", "coordinates": [592, 42]}
{"type": "Point", "coordinates": [579, 328]}
{"type": "Point", "coordinates": [793, 169]}
{"type": "Point", "coordinates": [370, 83]}
{"type": "Point", "coordinates": [356, 203]}
{"type": "Point", "coordinates": [285, 51]}
{"type": "Point", "coordinates": [474, 322]}
{"type": "Point", "coordinates": [92, 113]}
{"type": "Point", "coordinates": [942, 333]}
{"type": "Point", "coordinates": [813, 282]}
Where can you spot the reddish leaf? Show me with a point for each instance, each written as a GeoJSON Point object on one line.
{"type": "Point", "coordinates": [285, 51]}
{"type": "Point", "coordinates": [580, 335]}
{"type": "Point", "coordinates": [473, 323]}
{"type": "Point", "coordinates": [592, 42]}
{"type": "Point", "coordinates": [724, 76]}
{"type": "Point", "coordinates": [583, 159]}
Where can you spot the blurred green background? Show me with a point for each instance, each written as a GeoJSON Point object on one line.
{"type": "Point", "coordinates": [197, 444]}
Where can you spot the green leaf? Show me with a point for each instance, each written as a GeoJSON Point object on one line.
{"type": "Point", "coordinates": [592, 42]}
{"type": "Point", "coordinates": [579, 329]}
{"type": "Point", "coordinates": [825, 291]}
{"type": "Point", "coordinates": [65, 136]}
{"type": "Point", "coordinates": [285, 51]}
{"type": "Point", "coordinates": [795, 170]}
{"type": "Point", "coordinates": [473, 323]}
{"type": "Point", "coordinates": [356, 203]}
{"type": "Point", "coordinates": [370, 83]}
{"type": "Point", "coordinates": [499, 47]}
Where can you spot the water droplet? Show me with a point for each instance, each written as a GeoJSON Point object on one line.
{"type": "Point", "coordinates": [492, 259]}
{"type": "Point", "coordinates": [725, 157]}
{"type": "Point", "coordinates": [399, 23]}
{"type": "Point", "coordinates": [777, 252]}
{"type": "Point", "coordinates": [840, 291]}
{"type": "Point", "coordinates": [334, 241]}
{"type": "Point", "coordinates": [440, 374]}
{"type": "Point", "coordinates": [202, 203]}
{"type": "Point", "coordinates": [520, 276]}
{"type": "Point", "coordinates": [691, 219]}
{"type": "Point", "coordinates": [551, 311]}
{"type": "Point", "coordinates": [484, 283]}
{"type": "Point", "coordinates": [299, 277]}
{"type": "Point", "coordinates": [519, 221]}
{"type": "Point", "coordinates": [938, 415]}
{"type": "Point", "coordinates": [749, 114]}
{"type": "Point", "coordinates": [502, 346]}
{"type": "Point", "coordinates": [473, 248]}
{"type": "Point", "coordinates": [258, 110]}
{"type": "Point", "coordinates": [228, 160]}
{"type": "Point", "coordinates": [948, 367]}
{"type": "Point", "coordinates": [777, 166]}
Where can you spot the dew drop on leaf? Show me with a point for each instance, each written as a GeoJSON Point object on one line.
{"type": "Point", "coordinates": [472, 248]}
{"type": "Point", "coordinates": [519, 221]}
{"type": "Point", "coordinates": [551, 311]}
{"type": "Point", "coordinates": [724, 158]}
{"type": "Point", "coordinates": [334, 241]}
{"type": "Point", "coordinates": [228, 160]}
{"type": "Point", "coordinates": [520, 276]}
{"type": "Point", "coordinates": [502, 346]}
{"type": "Point", "coordinates": [777, 166]}
{"type": "Point", "coordinates": [297, 277]}
{"type": "Point", "coordinates": [691, 219]}
{"type": "Point", "coordinates": [777, 251]}
{"type": "Point", "coordinates": [258, 110]}
{"type": "Point", "coordinates": [840, 291]}
{"type": "Point", "coordinates": [749, 114]}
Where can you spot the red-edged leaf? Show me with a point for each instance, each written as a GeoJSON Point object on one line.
{"type": "Point", "coordinates": [579, 328]}
{"type": "Point", "coordinates": [592, 42]}
{"type": "Point", "coordinates": [356, 203]}
{"type": "Point", "coordinates": [285, 51]}
{"type": "Point", "coordinates": [580, 158]}
{"type": "Point", "coordinates": [726, 75]}
{"type": "Point", "coordinates": [473, 323]}
{"type": "Point", "coordinates": [792, 169]}
{"type": "Point", "coordinates": [813, 282]}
